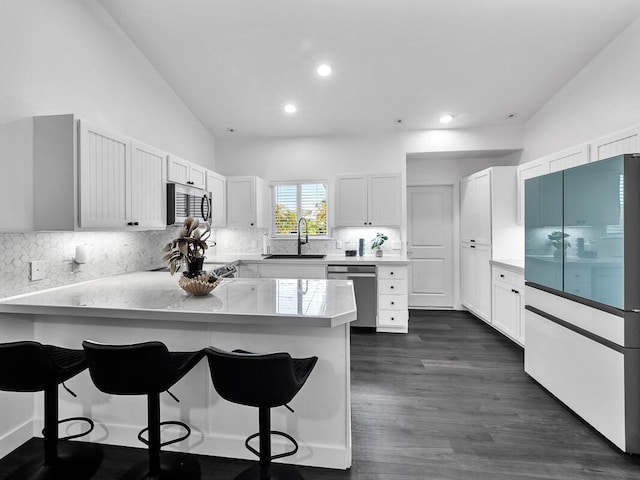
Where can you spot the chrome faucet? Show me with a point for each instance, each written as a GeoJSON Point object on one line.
{"type": "Point", "coordinates": [306, 234]}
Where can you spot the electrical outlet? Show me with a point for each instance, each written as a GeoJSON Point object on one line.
{"type": "Point", "coordinates": [339, 244]}
{"type": "Point", "coordinates": [37, 270]}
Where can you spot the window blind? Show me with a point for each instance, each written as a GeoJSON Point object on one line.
{"type": "Point", "coordinates": [292, 201]}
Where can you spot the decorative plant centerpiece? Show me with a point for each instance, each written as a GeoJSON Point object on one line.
{"type": "Point", "coordinates": [377, 242]}
{"type": "Point", "coordinates": [559, 243]}
{"type": "Point", "coordinates": [189, 248]}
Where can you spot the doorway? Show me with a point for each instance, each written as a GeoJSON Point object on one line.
{"type": "Point", "coordinates": [430, 246]}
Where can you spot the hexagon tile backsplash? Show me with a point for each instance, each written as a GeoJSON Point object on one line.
{"type": "Point", "coordinates": [110, 253]}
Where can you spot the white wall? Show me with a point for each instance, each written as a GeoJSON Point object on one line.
{"type": "Point", "coordinates": [602, 98]}
{"type": "Point", "coordinates": [69, 56]}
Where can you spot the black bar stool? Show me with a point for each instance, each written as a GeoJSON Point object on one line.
{"type": "Point", "coordinates": [146, 369]}
{"type": "Point", "coordinates": [32, 367]}
{"type": "Point", "coordinates": [265, 381]}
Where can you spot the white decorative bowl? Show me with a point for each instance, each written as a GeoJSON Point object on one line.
{"type": "Point", "coordinates": [198, 286]}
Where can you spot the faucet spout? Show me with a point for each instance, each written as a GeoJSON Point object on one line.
{"type": "Point", "coordinates": [306, 234]}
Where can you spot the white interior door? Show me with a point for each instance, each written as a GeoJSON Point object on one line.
{"type": "Point", "coordinates": [430, 246]}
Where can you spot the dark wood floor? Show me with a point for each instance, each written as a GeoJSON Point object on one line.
{"type": "Point", "coordinates": [449, 400]}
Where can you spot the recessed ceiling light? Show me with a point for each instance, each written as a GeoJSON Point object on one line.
{"type": "Point", "coordinates": [231, 130]}
{"type": "Point", "coordinates": [399, 120]}
{"type": "Point", "coordinates": [511, 115]}
{"type": "Point", "coordinates": [324, 70]}
{"type": "Point", "coordinates": [290, 108]}
{"type": "Point", "coordinates": [446, 118]}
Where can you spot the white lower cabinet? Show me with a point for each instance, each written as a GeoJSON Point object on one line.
{"type": "Point", "coordinates": [508, 303]}
{"type": "Point", "coordinates": [476, 279]}
{"type": "Point", "coordinates": [393, 313]}
{"type": "Point", "coordinates": [282, 270]}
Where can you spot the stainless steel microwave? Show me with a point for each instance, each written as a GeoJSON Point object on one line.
{"type": "Point", "coordinates": [183, 201]}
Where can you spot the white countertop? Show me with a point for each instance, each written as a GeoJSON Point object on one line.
{"type": "Point", "coordinates": [157, 296]}
{"type": "Point", "coordinates": [512, 263]}
{"type": "Point", "coordinates": [332, 259]}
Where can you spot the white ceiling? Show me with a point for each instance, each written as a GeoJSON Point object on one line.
{"type": "Point", "coordinates": [235, 63]}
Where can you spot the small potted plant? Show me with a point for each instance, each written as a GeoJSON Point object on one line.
{"type": "Point", "coordinates": [189, 248]}
{"type": "Point", "coordinates": [377, 242]}
{"type": "Point", "coordinates": [559, 243]}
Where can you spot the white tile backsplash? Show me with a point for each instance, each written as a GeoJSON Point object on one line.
{"type": "Point", "coordinates": [109, 253]}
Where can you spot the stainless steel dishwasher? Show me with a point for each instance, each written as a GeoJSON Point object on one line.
{"type": "Point", "coordinates": [365, 287]}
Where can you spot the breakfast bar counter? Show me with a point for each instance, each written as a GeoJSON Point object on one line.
{"type": "Point", "coordinates": [302, 317]}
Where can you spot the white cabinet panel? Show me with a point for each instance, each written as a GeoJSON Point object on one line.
{"type": "Point", "coordinates": [368, 200]}
{"type": "Point", "coordinates": [217, 187]}
{"type": "Point", "coordinates": [507, 313]}
{"type": "Point", "coordinates": [587, 376]}
{"type": "Point", "coordinates": [148, 187]}
{"type": "Point", "coordinates": [572, 157]}
{"type": "Point", "coordinates": [286, 270]}
{"type": "Point", "coordinates": [483, 281]}
{"type": "Point", "coordinates": [393, 313]}
{"type": "Point", "coordinates": [351, 201]}
{"type": "Point", "coordinates": [185, 172]}
{"type": "Point", "coordinates": [626, 141]}
{"type": "Point", "coordinates": [104, 173]}
{"type": "Point", "coordinates": [384, 199]}
{"type": "Point", "coordinates": [467, 209]}
{"type": "Point", "coordinates": [246, 198]}
{"type": "Point", "coordinates": [388, 286]}
{"type": "Point", "coordinates": [482, 207]}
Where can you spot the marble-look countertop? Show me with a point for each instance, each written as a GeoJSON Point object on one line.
{"type": "Point", "coordinates": [157, 296]}
{"type": "Point", "coordinates": [516, 264]}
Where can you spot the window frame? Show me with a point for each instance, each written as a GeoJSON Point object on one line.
{"type": "Point", "coordinates": [297, 184]}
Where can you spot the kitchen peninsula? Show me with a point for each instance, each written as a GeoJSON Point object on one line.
{"type": "Point", "coordinates": [302, 317]}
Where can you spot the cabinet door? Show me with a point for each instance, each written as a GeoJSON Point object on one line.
{"type": "Point", "coordinates": [241, 202]}
{"type": "Point", "coordinates": [197, 176]}
{"type": "Point", "coordinates": [104, 164]}
{"type": "Point", "coordinates": [384, 192]}
{"type": "Point", "coordinates": [626, 141]}
{"type": "Point", "coordinates": [351, 201]}
{"type": "Point", "coordinates": [482, 305]}
{"type": "Point", "coordinates": [524, 172]}
{"type": "Point", "coordinates": [506, 309]}
{"type": "Point", "coordinates": [467, 218]}
{"type": "Point", "coordinates": [148, 187]}
{"type": "Point", "coordinates": [177, 170]}
{"type": "Point", "coordinates": [482, 208]}
{"type": "Point", "coordinates": [217, 187]}
{"type": "Point", "coordinates": [572, 157]}
{"type": "Point", "coordinates": [468, 276]}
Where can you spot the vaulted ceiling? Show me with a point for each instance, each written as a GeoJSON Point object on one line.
{"type": "Point", "coordinates": [236, 63]}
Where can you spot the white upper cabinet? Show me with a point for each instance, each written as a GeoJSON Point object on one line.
{"type": "Point", "coordinates": [89, 178]}
{"type": "Point", "coordinates": [573, 157]}
{"type": "Point", "coordinates": [246, 202]}
{"type": "Point", "coordinates": [148, 187]}
{"type": "Point", "coordinates": [626, 141]}
{"type": "Point", "coordinates": [185, 172]}
{"type": "Point", "coordinates": [371, 200]}
{"type": "Point", "coordinates": [475, 204]}
{"type": "Point", "coordinates": [105, 178]}
{"type": "Point", "coordinates": [217, 188]}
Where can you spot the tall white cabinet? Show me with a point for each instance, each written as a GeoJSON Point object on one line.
{"type": "Point", "coordinates": [488, 230]}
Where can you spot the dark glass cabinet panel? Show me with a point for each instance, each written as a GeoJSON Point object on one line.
{"type": "Point", "coordinates": [577, 224]}
{"type": "Point", "coordinates": [593, 206]}
{"type": "Point", "coordinates": [543, 224]}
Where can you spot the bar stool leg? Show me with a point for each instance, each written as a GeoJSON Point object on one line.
{"type": "Point", "coordinates": [264, 422]}
{"type": "Point", "coordinates": [153, 415]}
{"type": "Point", "coordinates": [50, 425]}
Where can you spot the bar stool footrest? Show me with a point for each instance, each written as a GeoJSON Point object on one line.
{"type": "Point", "coordinates": [273, 432]}
{"type": "Point", "coordinates": [168, 442]}
{"type": "Point", "coordinates": [76, 419]}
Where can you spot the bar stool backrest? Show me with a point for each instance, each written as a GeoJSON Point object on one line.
{"type": "Point", "coordinates": [26, 367]}
{"type": "Point", "coordinates": [136, 369]}
{"type": "Point", "coordinates": [257, 380]}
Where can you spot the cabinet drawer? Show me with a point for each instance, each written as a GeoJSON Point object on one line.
{"type": "Point", "coordinates": [388, 318]}
{"type": "Point", "coordinates": [516, 280]}
{"type": "Point", "coordinates": [393, 302]}
{"type": "Point", "coordinates": [392, 272]}
{"type": "Point", "coordinates": [386, 287]}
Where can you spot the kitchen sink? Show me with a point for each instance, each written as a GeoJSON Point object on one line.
{"type": "Point", "coordinates": [285, 256]}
